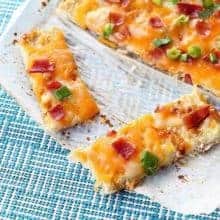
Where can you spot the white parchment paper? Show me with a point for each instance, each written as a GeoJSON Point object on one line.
{"type": "Point", "coordinates": [124, 89]}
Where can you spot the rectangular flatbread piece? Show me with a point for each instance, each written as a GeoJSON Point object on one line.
{"type": "Point", "coordinates": [63, 98]}
{"type": "Point", "coordinates": [120, 159]}
{"type": "Point", "coordinates": [179, 38]}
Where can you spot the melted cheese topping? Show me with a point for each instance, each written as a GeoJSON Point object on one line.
{"type": "Point", "coordinates": [156, 133]}
{"type": "Point", "coordinates": [80, 106]}
{"type": "Point", "coordinates": [93, 15]}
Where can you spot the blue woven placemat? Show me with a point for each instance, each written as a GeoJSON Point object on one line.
{"type": "Point", "coordinates": [37, 181]}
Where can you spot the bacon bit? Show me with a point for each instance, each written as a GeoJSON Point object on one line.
{"type": "Point", "coordinates": [156, 53]}
{"type": "Point", "coordinates": [57, 112]}
{"type": "Point", "coordinates": [156, 22]}
{"type": "Point", "coordinates": [42, 66]}
{"type": "Point", "coordinates": [195, 118]}
{"type": "Point", "coordinates": [124, 148]}
{"type": "Point", "coordinates": [123, 33]}
{"type": "Point", "coordinates": [116, 18]}
{"type": "Point", "coordinates": [217, 65]}
{"type": "Point", "coordinates": [203, 28]}
{"type": "Point", "coordinates": [188, 79]}
{"type": "Point", "coordinates": [217, 14]}
{"type": "Point", "coordinates": [217, 53]}
{"type": "Point", "coordinates": [111, 133]}
{"type": "Point", "coordinates": [192, 10]}
{"type": "Point", "coordinates": [54, 85]}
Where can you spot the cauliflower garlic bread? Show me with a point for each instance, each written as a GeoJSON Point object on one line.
{"type": "Point", "coordinates": [63, 97]}
{"type": "Point", "coordinates": [121, 159]}
{"type": "Point", "coordinates": [179, 37]}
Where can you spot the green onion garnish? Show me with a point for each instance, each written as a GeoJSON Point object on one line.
{"type": "Point", "coordinates": [184, 57]}
{"type": "Point", "coordinates": [108, 30]}
{"type": "Point", "coordinates": [194, 51]}
{"type": "Point", "coordinates": [182, 19]}
{"type": "Point", "coordinates": [149, 162]}
{"type": "Point", "coordinates": [62, 93]}
{"type": "Point", "coordinates": [162, 41]}
{"type": "Point", "coordinates": [173, 53]}
{"type": "Point", "coordinates": [157, 2]}
{"type": "Point", "coordinates": [213, 58]}
{"type": "Point", "coordinates": [174, 1]}
{"type": "Point", "coordinates": [207, 3]}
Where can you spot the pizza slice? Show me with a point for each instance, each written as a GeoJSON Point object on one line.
{"type": "Point", "coordinates": [180, 38]}
{"type": "Point", "coordinates": [63, 98]}
{"type": "Point", "coordinates": [121, 159]}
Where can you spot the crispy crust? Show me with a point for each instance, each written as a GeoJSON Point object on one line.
{"type": "Point", "coordinates": [170, 139]}
{"type": "Point", "coordinates": [208, 81]}
{"type": "Point", "coordinates": [51, 45]}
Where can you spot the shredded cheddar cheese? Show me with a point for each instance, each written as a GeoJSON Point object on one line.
{"type": "Point", "coordinates": [122, 158]}
{"type": "Point", "coordinates": [49, 61]}
{"type": "Point", "coordinates": [147, 21]}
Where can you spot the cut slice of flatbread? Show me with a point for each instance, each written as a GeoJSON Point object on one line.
{"type": "Point", "coordinates": [63, 98]}
{"type": "Point", "coordinates": [174, 38]}
{"type": "Point", "coordinates": [120, 159]}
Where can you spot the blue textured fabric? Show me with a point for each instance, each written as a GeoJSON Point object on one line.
{"type": "Point", "coordinates": [37, 181]}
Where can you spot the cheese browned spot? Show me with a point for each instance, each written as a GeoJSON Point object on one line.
{"type": "Point", "coordinates": [63, 98]}
{"type": "Point", "coordinates": [119, 160]}
{"type": "Point", "coordinates": [143, 21]}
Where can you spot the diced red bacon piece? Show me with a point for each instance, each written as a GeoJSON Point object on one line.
{"type": "Point", "coordinates": [188, 79]}
{"type": "Point", "coordinates": [156, 22]}
{"type": "Point", "coordinates": [124, 148]}
{"type": "Point", "coordinates": [42, 66]}
{"type": "Point", "coordinates": [217, 53]}
{"type": "Point", "coordinates": [217, 65]}
{"type": "Point", "coordinates": [203, 28]}
{"type": "Point", "coordinates": [191, 10]}
{"type": "Point", "coordinates": [157, 53]}
{"type": "Point", "coordinates": [122, 33]}
{"type": "Point", "coordinates": [217, 14]}
{"type": "Point", "coordinates": [54, 85]}
{"type": "Point", "coordinates": [116, 18]}
{"type": "Point", "coordinates": [111, 133]}
{"type": "Point", "coordinates": [57, 112]}
{"type": "Point", "coordinates": [195, 118]}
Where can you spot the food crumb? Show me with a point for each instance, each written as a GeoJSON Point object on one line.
{"type": "Point", "coordinates": [14, 41]}
{"type": "Point", "coordinates": [88, 138]}
{"type": "Point", "coordinates": [183, 178]}
{"type": "Point", "coordinates": [106, 121]}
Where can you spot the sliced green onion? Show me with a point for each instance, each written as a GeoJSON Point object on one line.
{"type": "Point", "coordinates": [108, 30]}
{"type": "Point", "coordinates": [174, 1]}
{"type": "Point", "coordinates": [207, 3]}
{"type": "Point", "coordinates": [184, 57]}
{"type": "Point", "coordinates": [213, 58]}
{"type": "Point", "coordinates": [194, 51]}
{"type": "Point", "coordinates": [162, 41]}
{"type": "Point", "coordinates": [149, 162]}
{"type": "Point", "coordinates": [62, 93]}
{"type": "Point", "coordinates": [207, 12]}
{"type": "Point", "coordinates": [173, 53]}
{"type": "Point", "coordinates": [157, 2]}
{"type": "Point", "coordinates": [182, 19]}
